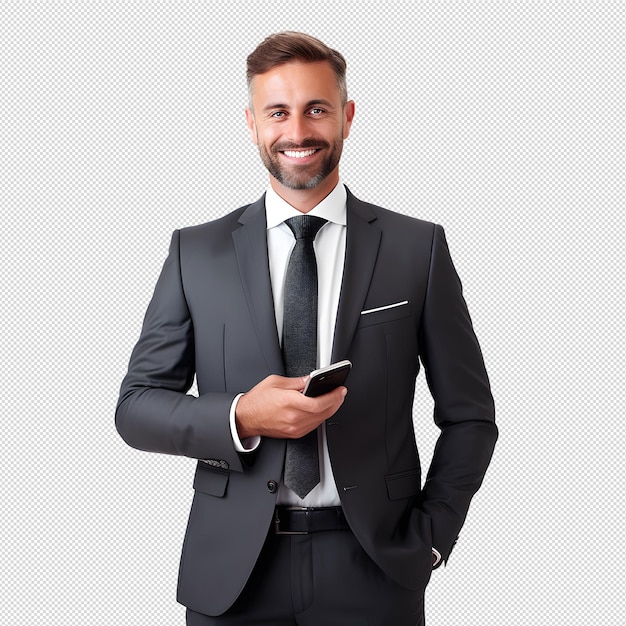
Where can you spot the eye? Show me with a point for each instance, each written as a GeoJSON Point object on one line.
{"type": "Point", "coordinates": [316, 111]}
{"type": "Point", "coordinates": [278, 114]}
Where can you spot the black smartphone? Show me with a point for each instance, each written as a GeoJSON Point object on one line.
{"type": "Point", "coordinates": [327, 378]}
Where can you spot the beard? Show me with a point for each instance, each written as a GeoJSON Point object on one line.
{"type": "Point", "coordinates": [301, 176]}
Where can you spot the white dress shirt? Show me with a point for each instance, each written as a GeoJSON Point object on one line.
{"type": "Point", "coordinates": [330, 247]}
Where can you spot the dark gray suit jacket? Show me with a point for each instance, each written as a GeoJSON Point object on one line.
{"type": "Point", "coordinates": [212, 315]}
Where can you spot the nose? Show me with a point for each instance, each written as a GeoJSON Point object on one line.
{"type": "Point", "coordinates": [298, 129]}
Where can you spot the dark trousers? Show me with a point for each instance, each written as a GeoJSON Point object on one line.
{"type": "Point", "coordinates": [320, 579]}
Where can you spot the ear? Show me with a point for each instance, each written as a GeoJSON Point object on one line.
{"type": "Point", "coordinates": [251, 125]}
{"type": "Point", "coordinates": [348, 112]}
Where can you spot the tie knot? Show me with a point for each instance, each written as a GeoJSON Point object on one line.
{"type": "Point", "coordinates": [305, 226]}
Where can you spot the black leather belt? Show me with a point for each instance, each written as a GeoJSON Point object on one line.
{"type": "Point", "coordinates": [302, 521]}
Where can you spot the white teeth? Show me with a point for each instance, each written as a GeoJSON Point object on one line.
{"type": "Point", "coordinates": [299, 154]}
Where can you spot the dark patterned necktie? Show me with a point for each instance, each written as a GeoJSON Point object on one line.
{"type": "Point", "coordinates": [300, 344]}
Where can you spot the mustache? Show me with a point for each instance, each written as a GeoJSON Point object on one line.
{"type": "Point", "coordinates": [305, 144]}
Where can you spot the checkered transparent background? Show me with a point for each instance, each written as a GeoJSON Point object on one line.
{"type": "Point", "coordinates": [502, 121]}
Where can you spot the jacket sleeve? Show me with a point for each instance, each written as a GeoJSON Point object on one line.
{"type": "Point", "coordinates": [154, 411]}
{"type": "Point", "coordinates": [463, 404]}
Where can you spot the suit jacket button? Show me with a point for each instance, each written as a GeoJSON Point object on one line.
{"type": "Point", "coordinates": [272, 486]}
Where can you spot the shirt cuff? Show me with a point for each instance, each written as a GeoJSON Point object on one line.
{"type": "Point", "coordinates": [248, 444]}
{"type": "Point", "coordinates": [436, 558]}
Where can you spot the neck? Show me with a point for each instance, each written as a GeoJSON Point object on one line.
{"type": "Point", "coordinates": [306, 199]}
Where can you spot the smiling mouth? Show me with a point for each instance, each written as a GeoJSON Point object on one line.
{"type": "Point", "coordinates": [299, 154]}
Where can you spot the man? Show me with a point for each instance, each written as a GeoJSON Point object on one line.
{"type": "Point", "coordinates": [356, 546]}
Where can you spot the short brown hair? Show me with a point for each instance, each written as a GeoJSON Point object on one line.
{"type": "Point", "coordinates": [287, 46]}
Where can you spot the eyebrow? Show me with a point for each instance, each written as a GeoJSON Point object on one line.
{"type": "Point", "coordinates": [310, 103]}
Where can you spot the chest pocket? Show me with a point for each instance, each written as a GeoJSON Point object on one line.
{"type": "Point", "coordinates": [385, 314]}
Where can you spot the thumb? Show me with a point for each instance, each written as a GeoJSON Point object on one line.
{"type": "Point", "coordinates": [297, 383]}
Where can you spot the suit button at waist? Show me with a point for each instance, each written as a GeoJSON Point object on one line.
{"type": "Point", "coordinates": [272, 486]}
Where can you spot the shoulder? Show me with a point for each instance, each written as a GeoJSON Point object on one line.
{"type": "Point", "coordinates": [387, 219]}
{"type": "Point", "coordinates": [228, 222]}
{"type": "Point", "coordinates": [221, 229]}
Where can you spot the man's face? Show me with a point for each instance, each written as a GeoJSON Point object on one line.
{"type": "Point", "coordinates": [299, 124]}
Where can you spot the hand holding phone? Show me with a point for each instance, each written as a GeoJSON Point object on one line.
{"type": "Point", "coordinates": [327, 378]}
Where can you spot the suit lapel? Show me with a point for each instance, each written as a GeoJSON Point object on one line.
{"type": "Point", "coordinates": [362, 243]}
{"type": "Point", "coordinates": [250, 243]}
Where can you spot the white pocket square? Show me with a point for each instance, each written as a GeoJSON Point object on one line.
{"type": "Point", "coordinates": [383, 308]}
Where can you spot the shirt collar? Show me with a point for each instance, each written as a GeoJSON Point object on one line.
{"type": "Point", "coordinates": [331, 208]}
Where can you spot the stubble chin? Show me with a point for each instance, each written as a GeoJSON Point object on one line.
{"type": "Point", "coordinates": [299, 180]}
{"type": "Point", "coordinates": [291, 182]}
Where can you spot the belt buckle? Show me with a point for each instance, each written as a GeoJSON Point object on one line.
{"type": "Point", "coordinates": [277, 529]}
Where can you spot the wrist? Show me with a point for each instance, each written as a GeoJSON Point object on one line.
{"type": "Point", "coordinates": [242, 441]}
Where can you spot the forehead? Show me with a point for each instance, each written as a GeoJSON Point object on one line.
{"type": "Point", "coordinates": [296, 82]}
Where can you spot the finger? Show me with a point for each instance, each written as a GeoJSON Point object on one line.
{"type": "Point", "coordinates": [328, 401]}
{"type": "Point", "coordinates": [297, 383]}
{"type": "Point", "coordinates": [334, 395]}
